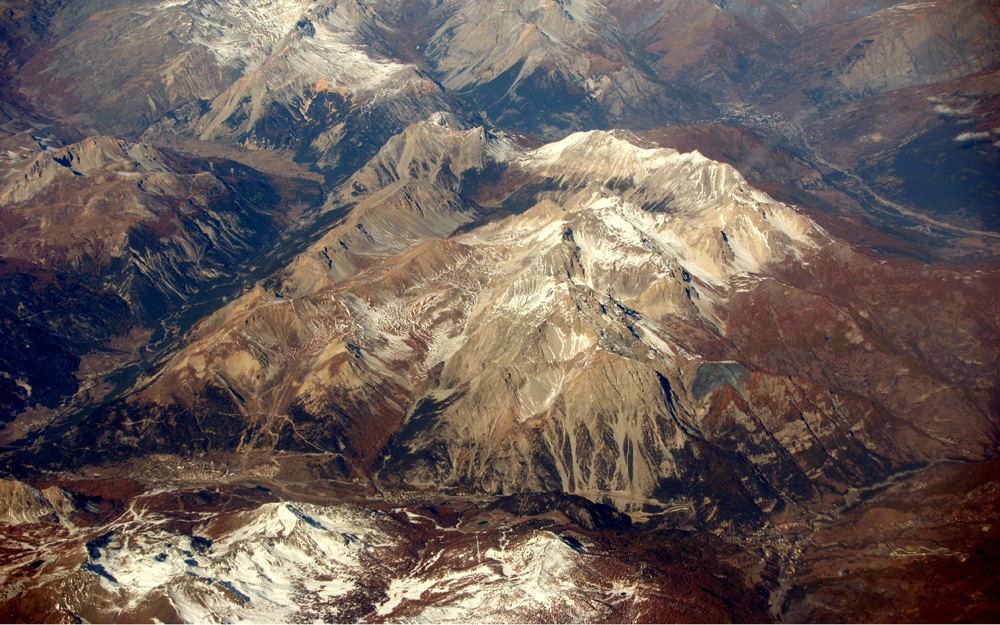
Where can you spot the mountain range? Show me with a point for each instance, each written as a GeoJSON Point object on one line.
{"type": "Point", "coordinates": [451, 310]}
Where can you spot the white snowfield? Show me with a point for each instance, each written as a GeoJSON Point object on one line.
{"type": "Point", "coordinates": [296, 562]}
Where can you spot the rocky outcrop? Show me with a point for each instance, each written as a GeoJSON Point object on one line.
{"type": "Point", "coordinates": [23, 504]}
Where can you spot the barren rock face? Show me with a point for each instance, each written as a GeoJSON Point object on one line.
{"type": "Point", "coordinates": [566, 310]}
{"type": "Point", "coordinates": [24, 504]}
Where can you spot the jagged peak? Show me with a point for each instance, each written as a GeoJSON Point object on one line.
{"type": "Point", "coordinates": [96, 153]}
{"type": "Point", "coordinates": [424, 149]}
{"type": "Point", "coordinates": [92, 155]}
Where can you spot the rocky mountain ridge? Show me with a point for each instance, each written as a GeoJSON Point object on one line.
{"type": "Point", "coordinates": [562, 347]}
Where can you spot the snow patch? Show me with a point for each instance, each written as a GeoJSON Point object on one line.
{"type": "Point", "coordinates": [972, 137]}
{"type": "Point", "coordinates": [280, 558]}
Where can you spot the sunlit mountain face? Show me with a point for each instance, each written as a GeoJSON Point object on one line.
{"type": "Point", "coordinates": [467, 311]}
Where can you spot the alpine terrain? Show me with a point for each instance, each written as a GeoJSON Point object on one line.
{"type": "Point", "coordinates": [529, 310]}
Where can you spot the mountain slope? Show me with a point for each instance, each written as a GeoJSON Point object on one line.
{"type": "Point", "coordinates": [627, 337]}
{"type": "Point", "coordinates": [108, 243]}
